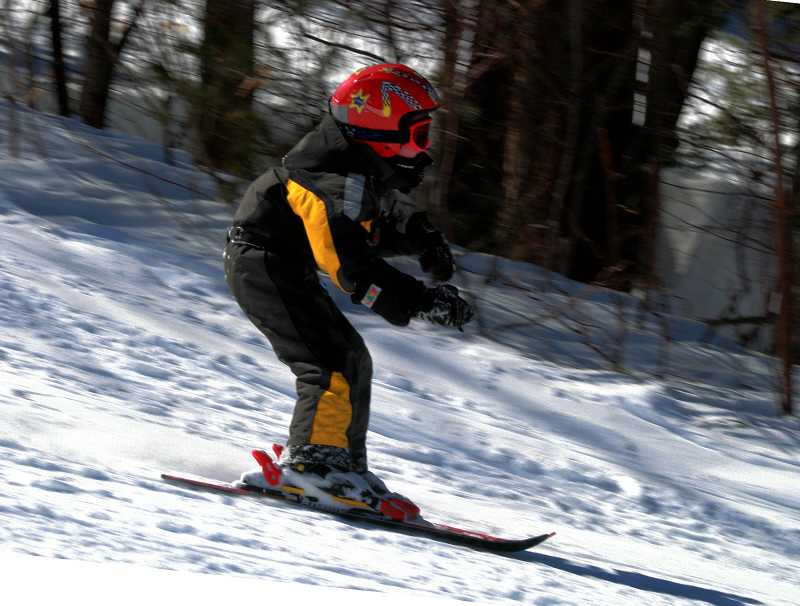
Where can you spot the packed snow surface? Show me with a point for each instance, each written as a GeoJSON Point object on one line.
{"type": "Point", "coordinates": [123, 356]}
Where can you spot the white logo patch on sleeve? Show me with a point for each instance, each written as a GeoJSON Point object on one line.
{"type": "Point", "coordinates": [371, 296]}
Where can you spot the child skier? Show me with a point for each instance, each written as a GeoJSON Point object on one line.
{"type": "Point", "coordinates": [339, 203]}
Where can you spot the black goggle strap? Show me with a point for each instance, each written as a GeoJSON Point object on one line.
{"type": "Point", "coordinates": [386, 136]}
{"type": "Point", "coordinates": [370, 134]}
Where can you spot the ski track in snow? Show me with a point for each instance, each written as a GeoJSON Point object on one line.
{"type": "Point", "coordinates": [123, 355]}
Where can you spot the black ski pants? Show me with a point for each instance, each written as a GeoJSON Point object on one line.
{"type": "Point", "coordinates": [283, 297]}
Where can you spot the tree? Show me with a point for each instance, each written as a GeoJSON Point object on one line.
{"type": "Point", "coordinates": [225, 122]}
{"type": "Point", "coordinates": [452, 88]}
{"type": "Point", "coordinates": [550, 147]}
{"type": "Point", "coordinates": [59, 72]}
{"type": "Point", "coordinates": [783, 214]}
{"type": "Point", "coordinates": [102, 56]}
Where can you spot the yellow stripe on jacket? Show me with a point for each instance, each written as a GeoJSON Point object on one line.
{"type": "Point", "coordinates": [314, 213]}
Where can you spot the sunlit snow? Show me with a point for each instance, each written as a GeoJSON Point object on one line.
{"type": "Point", "coordinates": [123, 355]}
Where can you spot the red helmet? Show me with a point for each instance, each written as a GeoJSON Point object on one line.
{"type": "Point", "coordinates": [386, 106]}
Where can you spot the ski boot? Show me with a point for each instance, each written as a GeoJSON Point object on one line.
{"type": "Point", "coordinates": [327, 484]}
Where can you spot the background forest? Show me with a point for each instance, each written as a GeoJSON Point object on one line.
{"type": "Point", "coordinates": [573, 135]}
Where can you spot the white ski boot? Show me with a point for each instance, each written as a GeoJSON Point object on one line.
{"type": "Point", "coordinates": [328, 487]}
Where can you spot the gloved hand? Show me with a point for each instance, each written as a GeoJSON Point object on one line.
{"type": "Point", "coordinates": [443, 305]}
{"type": "Point", "coordinates": [434, 254]}
{"type": "Point", "coordinates": [437, 260]}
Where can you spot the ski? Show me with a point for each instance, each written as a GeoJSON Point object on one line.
{"type": "Point", "coordinates": [418, 526]}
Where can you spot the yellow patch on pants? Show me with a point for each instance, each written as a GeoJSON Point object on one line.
{"type": "Point", "coordinates": [334, 413]}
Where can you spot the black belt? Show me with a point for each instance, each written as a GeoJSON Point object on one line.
{"type": "Point", "coordinates": [239, 235]}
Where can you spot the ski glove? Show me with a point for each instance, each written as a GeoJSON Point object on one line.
{"type": "Point", "coordinates": [389, 292]}
{"type": "Point", "coordinates": [443, 306]}
{"type": "Point", "coordinates": [437, 260]}
{"type": "Point", "coordinates": [428, 242]}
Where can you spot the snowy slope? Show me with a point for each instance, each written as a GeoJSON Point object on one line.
{"type": "Point", "coordinates": [122, 355]}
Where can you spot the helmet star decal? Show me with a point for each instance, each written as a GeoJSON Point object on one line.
{"type": "Point", "coordinates": [358, 100]}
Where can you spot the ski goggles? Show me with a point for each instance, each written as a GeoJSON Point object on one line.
{"type": "Point", "coordinates": [410, 140]}
{"type": "Point", "coordinates": [419, 139]}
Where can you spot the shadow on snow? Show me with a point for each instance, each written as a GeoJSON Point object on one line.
{"type": "Point", "coordinates": [640, 581]}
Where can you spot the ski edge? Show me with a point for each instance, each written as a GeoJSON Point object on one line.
{"type": "Point", "coordinates": [444, 532]}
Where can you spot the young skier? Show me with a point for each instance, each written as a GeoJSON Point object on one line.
{"type": "Point", "coordinates": [339, 203]}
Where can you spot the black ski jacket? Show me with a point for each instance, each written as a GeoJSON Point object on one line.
{"type": "Point", "coordinates": [331, 204]}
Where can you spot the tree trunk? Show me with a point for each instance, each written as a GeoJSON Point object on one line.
{"type": "Point", "coordinates": [605, 114]}
{"type": "Point", "coordinates": [794, 204]}
{"type": "Point", "coordinates": [556, 245]}
{"type": "Point", "coordinates": [99, 66]}
{"type": "Point", "coordinates": [514, 160]}
{"type": "Point", "coordinates": [783, 222]}
{"type": "Point", "coordinates": [227, 60]}
{"type": "Point", "coordinates": [678, 29]}
{"type": "Point", "coordinates": [474, 193]}
{"type": "Point", "coordinates": [451, 93]}
{"type": "Point", "coordinates": [59, 73]}
{"type": "Point", "coordinates": [101, 58]}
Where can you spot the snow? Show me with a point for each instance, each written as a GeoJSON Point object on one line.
{"type": "Point", "coordinates": [123, 356]}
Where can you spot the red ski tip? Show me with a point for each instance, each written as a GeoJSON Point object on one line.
{"type": "Point", "coordinates": [399, 510]}
{"type": "Point", "coordinates": [272, 473]}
